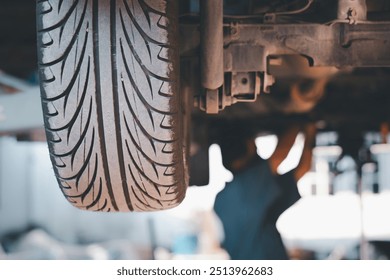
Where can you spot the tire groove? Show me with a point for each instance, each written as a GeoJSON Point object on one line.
{"type": "Point", "coordinates": [115, 89]}
{"type": "Point", "coordinates": [139, 60]}
{"type": "Point", "coordinates": [129, 42]}
{"type": "Point", "coordinates": [71, 43]}
{"type": "Point", "coordinates": [143, 153]}
{"type": "Point", "coordinates": [136, 88]}
{"type": "Point", "coordinates": [74, 150]}
{"type": "Point", "coordinates": [164, 94]}
{"type": "Point", "coordinates": [140, 30]}
{"type": "Point", "coordinates": [99, 104]}
{"type": "Point", "coordinates": [72, 121]}
{"type": "Point", "coordinates": [141, 205]}
{"type": "Point", "coordinates": [144, 131]}
{"type": "Point", "coordinates": [78, 175]}
{"type": "Point", "coordinates": [104, 204]}
{"type": "Point", "coordinates": [84, 194]}
{"type": "Point", "coordinates": [141, 190]}
{"type": "Point", "coordinates": [163, 59]}
{"type": "Point", "coordinates": [63, 20]}
{"type": "Point", "coordinates": [161, 25]}
{"type": "Point", "coordinates": [74, 77]}
{"type": "Point", "coordinates": [48, 11]}
{"type": "Point", "coordinates": [155, 184]}
{"type": "Point", "coordinates": [144, 4]}
{"type": "Point", "coordinates": [145, 9]}
{"type": "Point", "coordinates": [97, 199]}
{"type": "Point", "coordinates": [60, 5]}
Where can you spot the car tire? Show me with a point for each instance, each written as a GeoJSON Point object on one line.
{"type": "Point", "coordinates": [109, 74]}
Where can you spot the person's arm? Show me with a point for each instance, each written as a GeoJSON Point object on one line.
{"type": "Point", "coordinates": [285, 142]}
{"type": "Point", "coordinates": [307, 154]}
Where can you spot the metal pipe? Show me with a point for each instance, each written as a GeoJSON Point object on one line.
{"type": "Point", "coordinates": [212, 72]}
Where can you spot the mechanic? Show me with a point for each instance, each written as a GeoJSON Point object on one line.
{"type": "Point", "coordinates": [251, 203]}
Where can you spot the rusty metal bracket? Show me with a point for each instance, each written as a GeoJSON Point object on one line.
{"type": "Point", "coordinates": [340, 45]}
{"type": "Point", "coordinates": [253, 48]}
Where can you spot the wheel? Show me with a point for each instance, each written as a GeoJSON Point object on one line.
{"type": "Point", "coordinates": [109, 75]}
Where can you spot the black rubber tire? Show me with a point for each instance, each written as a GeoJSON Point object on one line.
{"type": "Point", "coordinates": [110, 93]}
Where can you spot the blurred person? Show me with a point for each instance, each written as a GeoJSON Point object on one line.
{"type": "Point", "coordinates": [251, 203]}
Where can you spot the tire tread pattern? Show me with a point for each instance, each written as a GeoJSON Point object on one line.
{"type": "Point", "coordinates": [113, 102]}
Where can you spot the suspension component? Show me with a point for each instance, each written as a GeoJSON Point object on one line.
{"type": "Point", "coordinates": [212, 71]}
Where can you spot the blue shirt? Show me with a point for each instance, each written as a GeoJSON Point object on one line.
{"type": "Point", "coordinates": [249, 207]}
